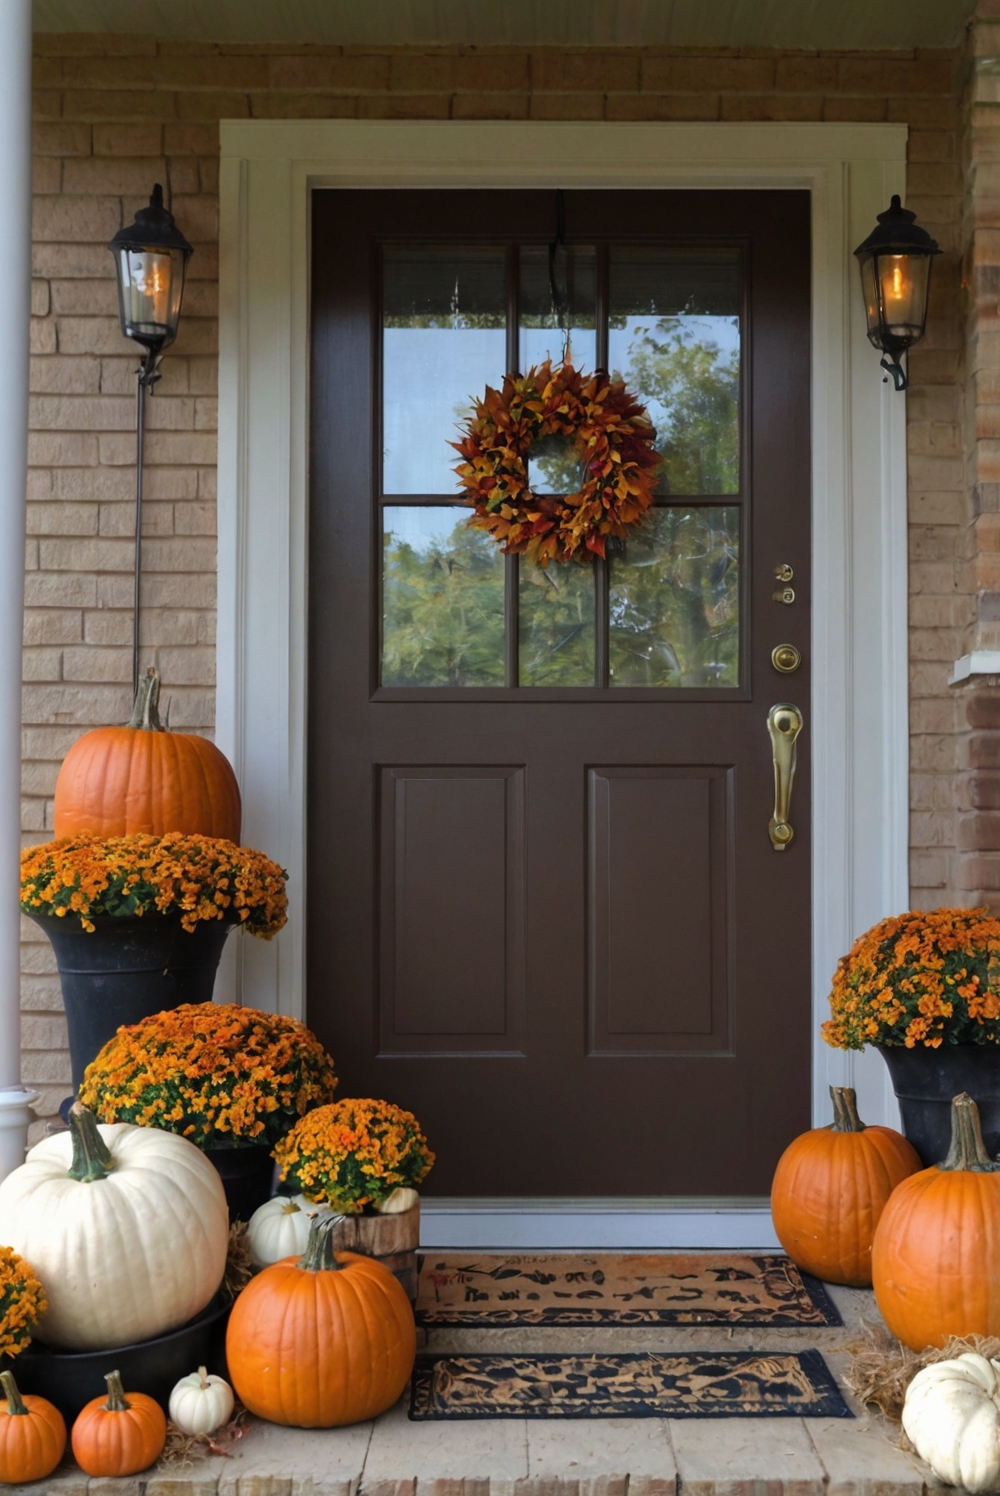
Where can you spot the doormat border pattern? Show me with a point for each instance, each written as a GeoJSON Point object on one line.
{"type": "Point", "coordinates": [632, 1384]}
{"type": "Point", "coordinates": [797, 1300]}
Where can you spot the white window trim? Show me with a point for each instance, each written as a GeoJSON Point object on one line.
{"type": "Point", "coordinates": [857, 720]}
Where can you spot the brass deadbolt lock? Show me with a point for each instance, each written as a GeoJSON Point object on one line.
{"type": "Point", "coordinates": [784, 595]}
{"type": "Point", "coordinates": [786, 658]}
{"type": "Point", "coordinates": [783, 573]}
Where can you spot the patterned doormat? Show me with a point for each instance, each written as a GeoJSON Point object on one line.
{"type": "Point", "coordinates": [637, 1384]}
{"type": "Point", "coordinates": [697, 1288]}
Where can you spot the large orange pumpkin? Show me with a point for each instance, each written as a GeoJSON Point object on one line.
{"type": "Point", "coordinates": [830, 1188]}
{"type": "Point", "coordinates": [936, 1257]}
{"type": "Point", "coordinates": [117, 781]}
{"type": "Point", "coordinates": [321, 1341]}
{"type": "Point", "coordinates": [32, 1435]}
{"type": "Point", "coordinates": [119, 1434]}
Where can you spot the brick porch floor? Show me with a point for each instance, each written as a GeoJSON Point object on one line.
{"type": "Point", "coordinates": [539, 1457]}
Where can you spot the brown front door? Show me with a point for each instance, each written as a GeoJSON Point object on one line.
{"type": "Point", "coordinates": [544, 910]}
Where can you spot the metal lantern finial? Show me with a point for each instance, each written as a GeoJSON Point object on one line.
{"type": "Point", "coordinates": [151, 258]}
{"type": "Point", "coordinates": [895, 263]}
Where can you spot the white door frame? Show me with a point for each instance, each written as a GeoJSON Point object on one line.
{"type": "Point", "coordinates": [857, 720]}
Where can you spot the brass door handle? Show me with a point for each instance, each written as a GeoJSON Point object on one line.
{"type": "Point", "coordinates": [784, 723]}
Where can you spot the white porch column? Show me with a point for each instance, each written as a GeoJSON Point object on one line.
{"type": "Point", "coordinates": [15, 303]}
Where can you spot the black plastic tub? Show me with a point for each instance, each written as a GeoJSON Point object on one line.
{"type": "Point", "coordinates": [925, 1080]}
{"type": "Point", "coordinates": [126, 969]}
{"type": "Point", "coordinates": [71, 1378]}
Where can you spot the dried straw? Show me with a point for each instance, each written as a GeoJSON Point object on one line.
{"type": "Point", "coordinates": [238, 1266]}
{"type": "Point", "coordinates": [881, 1369]}
{"type": "Point", "coordinates": [183, 1449]}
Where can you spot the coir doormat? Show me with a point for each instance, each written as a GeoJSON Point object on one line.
{"type": "Point", "coordinates": [637, 1384]}
{"type": "Point", "coordinates": [703, 1288]}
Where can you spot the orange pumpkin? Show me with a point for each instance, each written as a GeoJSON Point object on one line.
{"type": "Point", "coordinates": [32, 1435]}
{"type": "Point", "coordinates": [830, 1188]}
{"type": "Point", "coordinates": [321, 1341]}
{"type": "Point", "coordinates": [116, 781]}
{"type": "Point", "coordinates": [936, 1257]}
{"type": "Point", "coordinates": [119, 1434]}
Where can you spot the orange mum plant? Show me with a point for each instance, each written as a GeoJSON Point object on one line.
{"type": "Point", "coordinates": [613, 440]}
{"type": "Point", "coordinates": [919, 978]}
{"type": "Point", "coordinates": [353, 1154]}
{"type": "Point", "coordinates": [22, 1302]}
{"type": "Point", "coordinates": [199, 877]}
{"type": "Point", "coordinates": [216, 1073]}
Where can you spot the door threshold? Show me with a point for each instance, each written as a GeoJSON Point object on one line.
{"type": "Point", "coordinates": [673, 1223]}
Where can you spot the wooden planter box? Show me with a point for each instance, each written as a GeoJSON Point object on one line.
{"type": "Point", "coordinates": [393, 1239]}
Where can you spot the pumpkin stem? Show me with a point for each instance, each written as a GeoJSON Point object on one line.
{"type": "Point", "coordinates": [203, 1377]}
{"type": "Point", "coordinates": [117, 1401]}
{"type": "Point", "coordinates": [967, 1151]}
{"type": "Point", "coordinates": [145, 712]}
{"type": "Point", "coordinates": [845, 1110]}
{"type": "Point", "coordinates": [15, 1402]}
{"type": "Point", "coordinates": [319, 1256]}
{"type": "Point", "coordinates": [291, 1209]}
{"type": "Point", "coordinates": [91, 1158]}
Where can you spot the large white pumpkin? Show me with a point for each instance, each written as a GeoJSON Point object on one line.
{"type": "Point", "coordinates": [951, 1418]}
{"type": "Point", "coordinates": [133, 1252]}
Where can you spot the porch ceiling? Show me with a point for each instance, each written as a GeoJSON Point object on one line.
{"type": "Point", "coordinates": [809, 24]}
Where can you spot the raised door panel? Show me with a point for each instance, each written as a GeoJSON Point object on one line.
{"type": "Point", "coordinates": [452, 910]}
{"type": "Point", "coordinates": [660, 860]}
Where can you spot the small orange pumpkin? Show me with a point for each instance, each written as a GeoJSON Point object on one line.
{"type": "Point", "coordinates": [32, 1435]}
{"type": "Point", "coordinates": [830, 1188]}
{"type": "Point", "coordinates": [936, 1257]}
{"type": "Point", "coordinates": [321, 1341]}
{"type": "Point", "coordinates": [118, 781]}
{"type": "Point", "coordinates": [119, 1434]}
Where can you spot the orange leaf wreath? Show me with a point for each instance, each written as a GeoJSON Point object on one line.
{"type": "Point", "coordinates": [610, 432]}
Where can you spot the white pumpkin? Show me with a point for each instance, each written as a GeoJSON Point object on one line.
{"type": "Point", "coordinates": [200, 1404]}
{"type": "Point", "coordinates": [280, 1228]}
{"type": "Point", "coordinates": [952, 1418]}
{"type": "Point", "coordinates": [400, 1201]}
{"type": "Point", "coordinates": [127, 1228]}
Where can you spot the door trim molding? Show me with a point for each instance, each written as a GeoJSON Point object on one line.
{"type": "Point", "coordinates": [858, 715]}
{"type": "Point", "coordinates": [741, 1225]}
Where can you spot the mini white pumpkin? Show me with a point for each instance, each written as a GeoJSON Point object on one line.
{"type": "Point", "coordinates": [952, 1418]}
{"type": "Point", "coordinates": [280, 1228]}
{"type": "Point", "coordinates": [127, 1228]}
{"type": "Point", "coordinates": [400, 1201]}
{"type": "Point", "coordinates": [200, 1404]}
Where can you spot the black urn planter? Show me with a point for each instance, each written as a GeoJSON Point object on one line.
{"type": "Point", "coordinates": [71, 1378]}
{"type": "Point", "coordinates": [247, 1175]}
{"type": "Point", "coordinates": [128, 968]}
{"type": "Point", "coordinates": [925, 1080]}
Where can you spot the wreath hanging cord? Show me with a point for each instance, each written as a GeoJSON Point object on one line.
{"type": "Point", "coordinates": [611, 435]}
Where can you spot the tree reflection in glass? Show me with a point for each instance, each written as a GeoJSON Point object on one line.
{"type": "Point", "coordinates": [674, 600]}
{"type": "Point", "coordinates": [442, 600]}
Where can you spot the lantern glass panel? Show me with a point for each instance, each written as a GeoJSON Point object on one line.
{"type": "Point", "coordinates": [150, 286]}
{"type": "Point", "coordinates": [902, 281]}
{"type": "Point", "coordinates": [869, 290]}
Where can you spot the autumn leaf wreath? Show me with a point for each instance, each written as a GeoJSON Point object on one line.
{"type": "Point", "coordinates": [611, 436]}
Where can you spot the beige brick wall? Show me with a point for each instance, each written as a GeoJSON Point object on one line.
{"type": "Point", "coordinates": [115, 114]}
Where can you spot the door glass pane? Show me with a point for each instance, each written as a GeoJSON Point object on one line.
{"type": "Point", "coordinates": [573, 280]}
{"type": "Point", "coordinates": [674, 336]}
{"type": "Point", "coordinates": [442, 600]}
{"type": "Point", "coordinates": [556, 622]}
{"type": "Point", "coordinates": [443, 340]}
{"type": "Point", "coordinates": [674, 600]}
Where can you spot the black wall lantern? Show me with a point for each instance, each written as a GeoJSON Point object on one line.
{"type": "Point", "coordinates": [150, 262]}
{"type": "Point", "coordinates": [895, 263]}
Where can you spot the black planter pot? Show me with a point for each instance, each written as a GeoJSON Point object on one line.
{"type": "Point", "coordinates": [127, 969]}
{"type": "Point", "coordinates": [71, 1378]}
{"type": "Point", "coordinates": [925, 1080]}
{"type": "Point", "coordinates": [247, 1176]}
